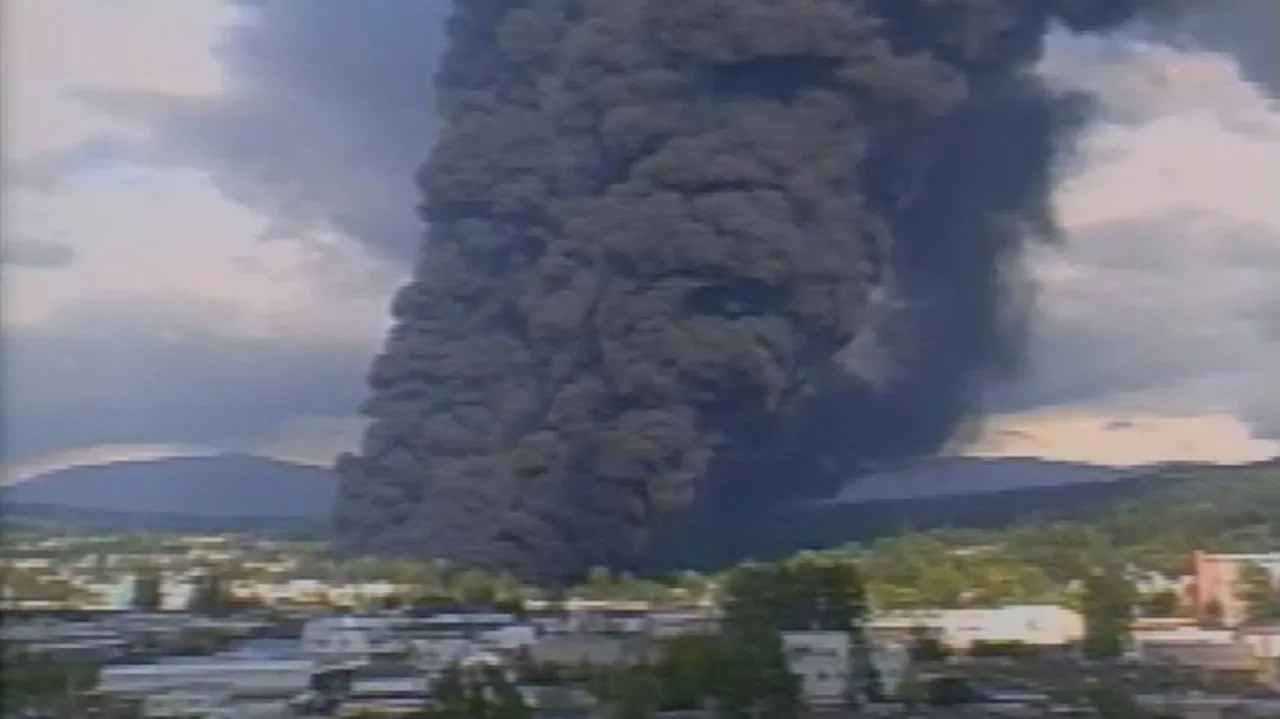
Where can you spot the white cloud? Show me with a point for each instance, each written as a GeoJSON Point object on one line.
{"type": "Point", "coordinates": [54, 49]}
{"type": "Point", "coordinates": [1117, 438]}
{"type": "Point", "coordinates": [170, 306]}
{"type": "Point", "coordinates": [1164, 298]}
{"type": "Point", "coordinates": [171, 236]}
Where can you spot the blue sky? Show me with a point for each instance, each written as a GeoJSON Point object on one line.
{"type": "Point", "coordinates": [207, 212]}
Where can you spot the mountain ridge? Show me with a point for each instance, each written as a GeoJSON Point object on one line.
{"type": "Point", "coordinates": [228, 485]}
{"type": "Point", "coordinates": [241, 493]}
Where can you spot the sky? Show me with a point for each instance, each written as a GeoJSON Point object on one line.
{"type": "Point", "coordinates": [207, 207]}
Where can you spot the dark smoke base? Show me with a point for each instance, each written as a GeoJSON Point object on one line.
{"type": "Point", "coordinates": [692, 260]}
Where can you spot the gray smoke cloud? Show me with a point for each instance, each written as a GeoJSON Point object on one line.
{"type": "Point", "coordinates": [331, 114]}
{"type": "Point", "coordinates": [662, 238]}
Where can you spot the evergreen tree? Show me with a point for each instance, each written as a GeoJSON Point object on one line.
{"type": "Point", "coordinates": [1108, 609]}
{"type": "Point", "coordinates": [556, 599]}
{"type": "Point", "coordinates": [474, 589]}
{"type": "Point", "coordinates": [210, 596]}
{"type": "Point", "coordinates": [830, 596]}
{"type": "Point", "coordinates": [599, 583]}
{"type": "Point", "coordinates": [147, 594]}
{"type": "Point", "coordinates": [1110, 700]}
{"type": "Point", "coordinates": [504, 698]}
{"type": "Point", "coordinates": [632, 693]}
{"type": "Point", "coordinates": [1214, 614]}
{"type": "Point", "coordinates": [478, 693]}
{"type": "Point", "coordinates": [926, 646]}
{"type": "Point", "coordinates": [1163, 603]}
{"type": "Point", "coordinates": [1258, 590]}
{"type": "Point", "coordinates": [450, 692]}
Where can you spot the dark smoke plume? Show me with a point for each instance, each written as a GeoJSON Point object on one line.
{"type": "Point", "coordinates": [695, 259]}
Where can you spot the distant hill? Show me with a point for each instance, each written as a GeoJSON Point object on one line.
{"type": "Point", "coordinates": [238, 494]}
{"type": "Point", "coordinates": [973, 475]}
{"type": "Point", "coordinates": [960, 492]}
{"type": "Point", "coordinates": [55, 517]}
{"type": "Point", "coordinates": [1058, 492]}
{"type": "Point", "coordinates": [229, 487]}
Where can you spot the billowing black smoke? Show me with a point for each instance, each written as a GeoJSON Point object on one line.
{"type": "Point", "coordinates": [694, 259]}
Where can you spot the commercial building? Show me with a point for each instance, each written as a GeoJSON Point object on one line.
{"type": "Point", "coordinates": [1215, 583]}
{"type": "Point", "coordinates": [1038, 625]}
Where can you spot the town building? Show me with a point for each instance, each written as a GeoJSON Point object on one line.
{"type": "Point", "coordinates": [823, 661]}
{"type": "Point", "coordinates": [1036, 625]}
{"type": "Point", "coordinates": [207, 686]}
{"type": "Point", "coordinates": [1215, 584]}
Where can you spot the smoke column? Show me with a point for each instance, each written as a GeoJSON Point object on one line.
{"type": "Point", "coordinates": [696, 259]}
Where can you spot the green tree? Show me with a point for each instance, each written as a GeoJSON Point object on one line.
{"type": "Point", "coordinates": [210, 596]}
{"type": "Point", "coordinates": [43, 683]}
{"type": "Point", "coordinates": [687, 671]}
{"type": "Point", "coordinates": [556, 599]}
{"type": "Point", "coordinates": [147, 595]}
{"type": "Point", "coordinates": [1162, 603]}
{"type": "Point", "coordinates": [599, 583]}
{"type": "Point", "coordinates": [836, 600]}
{"type": "Point", "coordinates": [451, 696]}
{"type": "Point", "coordinates": [692, 586]}
{"type": "Point", "coordinates": [926, 646]}
{"type": "Point", "coordinates": [912, 691]}
{"type": "Point", "coordinates": [1214, 615]}
{"type": "Point", "coordinates": [476, 693]}
{"type": "Point", "coordinates": [504, 698]}
{"type": "Point", "coordinates": [946, 691]}
{"type": "Point", "coordinates": [1108, 609]}
{"type": "Point", "coordinates": [474, 588]}
{"type": "Point", "coordinates": [1111, 701]}
{"type": "Point", "coordinates": [1258, 591]}
{"type": "Point", "coordinates": [810, 593]}
{"type": "Point", "coordinates": [630, 692]}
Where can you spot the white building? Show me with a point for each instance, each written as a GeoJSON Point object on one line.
{"type": "Point", "coordinates": [677, 622]}
{"type": "Point", "coordinates": [175, 593]}
{"type": "Point", "coordinates": [331, 641]}
{"type": "Point", "coordinates": [117, 595]}
{"type": "Point", "coordinates": [433, 643]}
{"type": "Point", "coordinates": [210, 676]}
{"type": "Point", "coordinates": [209, 688]}
{"type": "Point", "coordinates": [1042, 625]}
{"type": "Point", "coordinates": [182, 703]}
{"type": "Point", "coordinates": [1179, 635]}
{"type": "Point", "coordinates": [891, 661]}
{"type": "Point", "coordinates": [823, 662]}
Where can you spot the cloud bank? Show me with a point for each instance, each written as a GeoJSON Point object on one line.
{"type": "Point", "coordinates": [147, 311]}
{"type": "Point", "coordinates": [1163, 295]}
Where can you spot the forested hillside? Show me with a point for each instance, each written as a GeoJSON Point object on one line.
{"type": "Point", "coordinates": [1038, 557]}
